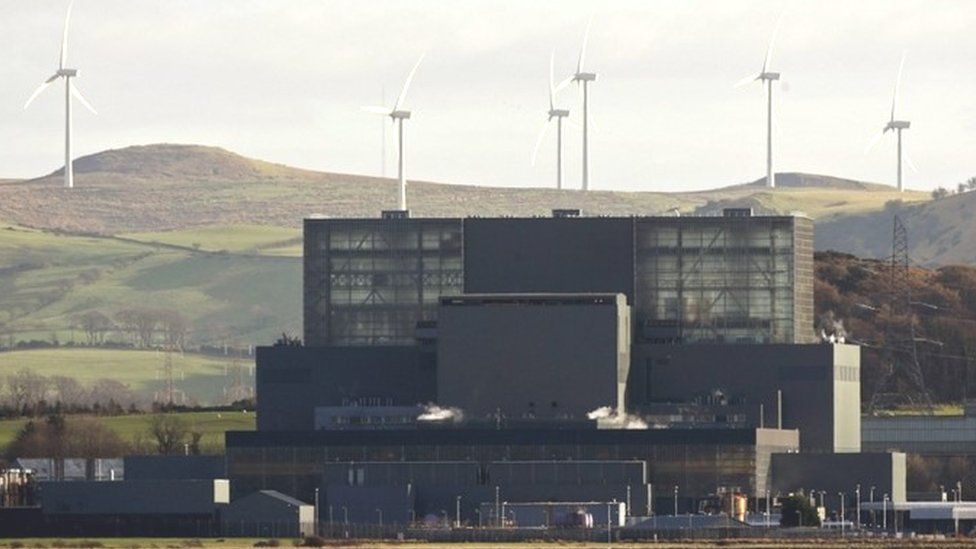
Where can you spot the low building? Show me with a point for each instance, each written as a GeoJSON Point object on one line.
{"type": "Point", "coordinates": [699, 462]}
{"type": "Point", "coordinates": [268, 513]}
{"type": "Point", "coordinates": [133, 508]}
{"type": "Point", "coordinates": [175, 467]}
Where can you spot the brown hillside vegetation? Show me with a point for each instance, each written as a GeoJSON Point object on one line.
{"type": "Point", "coordinates": [844, 284]}
{"type": "Point", "coordinates": [166, 187]}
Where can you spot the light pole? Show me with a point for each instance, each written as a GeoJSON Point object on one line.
{"type": "Point", "coordinates": [316, 511]}
{"type": "Point", "coordinates": [498, 513]}
{"type": "Point", "coordinates": [675, 500]}
{"type": "Point", "coordinates": [380, 513]}
{"type": "Point", "coordinates": [857, 493]}
{"type": "Point", "coordinates": [822, 493]}
{"type": "Point", "coordinates": [478, 512]}
{"type": "Point", "coordinates": [841, 494]}
{"type": "Point", "coordinates": [959, 490]}
{"type": "Point", "coordinates": [767, 508]}
{"type": "Point", "coordinates": [457, 512]}
{"type": "Point", "coordinates": [609, 527]}
{"type": "Point", "coordinates": [884, 512]}
{"type": "Point", "coordinates": [345, 515]}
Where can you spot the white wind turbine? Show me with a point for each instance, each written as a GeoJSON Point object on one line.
{"type": "Point", "coordinates": [895, 125]}
{"type": "Point", "coordinates": [767, 77]}
{"type": "Point", "coordinates": [558, 114]}
{"type": "Point", "coordinates": [69, 91]}
{"type": "Point", "coordinates": [584, 78]}
{"type": "Point", "coordinates": [398, 116]}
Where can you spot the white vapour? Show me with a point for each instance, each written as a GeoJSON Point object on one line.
{"type": "Point", "coordinates": [433, 412]}
{"type": "Point", "coordinates": [609, 418]}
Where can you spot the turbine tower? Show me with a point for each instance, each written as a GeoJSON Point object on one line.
{"type": "Point", "coordinates": [558, 114]}
{"type": "Point", "coordinates": [767, 77]}
{"type": "Point", "coordinates": [895, 125]}
{"type": "Point", "coordinates": [69, 91]}
{"type": "Point", "coordinates": [397, 116]}
{"type": "Point", "coordinates": [584, 78]}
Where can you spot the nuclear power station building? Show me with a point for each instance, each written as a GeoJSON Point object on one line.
{"type": "Point", "coordinates": [549, 359]}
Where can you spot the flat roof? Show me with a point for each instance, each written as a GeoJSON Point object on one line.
{"type": "Point", "coordinates": [928, 510]}
{"type": "Point", "coordinates": [447, 436]}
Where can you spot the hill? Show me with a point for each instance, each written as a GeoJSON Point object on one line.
{"type": "Point", "coordinates": [174, 187]}
{"type": "Point", "coordinates": [940, 231]}
{"type": "Point", "coordinates": [850, 297]}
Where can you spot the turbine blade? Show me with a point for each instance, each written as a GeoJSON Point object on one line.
{"type": "Point", "coordinates": [746, 81]}
{"type": "Point", "coordinates": [552, 89]}
{"type": "Point", "coordinates": [582, 54]}
{"type": "Point", "coordinates": [909, 161]}
{"type": "Point", "coordinates": [37, 92]}
{"type": "Point", "coordinates": [894, 98]}
{"type": "Point", "coordinates": [63, 60]}
{"type": "Point", "coordinates": [873, 141]}
{"type": "Point", "coordinates": [377, 110]}
{"type": "Point", "coordinates": [406, 85]}
{"type": "Point", "coordinates": [772, 42]}
{"type": "Point", "coordinates": [81, 99]}
{"type": "Point", "coordinates": [538, 141]}
{"type": "Point", "coordinates": [560, 86]}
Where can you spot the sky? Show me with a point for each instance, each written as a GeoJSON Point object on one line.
{"type": "Point", "coordinates": [284, 80]}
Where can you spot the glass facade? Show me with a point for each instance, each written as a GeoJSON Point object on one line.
{"type": "Point", "coordinates": [698, 468]}
{"type": "Point", "coordinates": [736, 279]}
{"type": "Point", "coordinates": [374, 281]}
{"type": "Point", "coordinates": [717, 279]}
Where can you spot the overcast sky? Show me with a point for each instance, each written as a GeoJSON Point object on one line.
{"type": "Point", "coordinates": [283, 80]}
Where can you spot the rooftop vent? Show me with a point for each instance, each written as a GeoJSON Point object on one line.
{"type": "Point", "coordinates": [566, 212]}
{"type": "Point", "coordinates": [395, 214]}
{"type": "Point", "coordinates": [737, 212]}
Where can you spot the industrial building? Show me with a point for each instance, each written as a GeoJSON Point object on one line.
{"type": "Point", "coordinates": [437, 351]}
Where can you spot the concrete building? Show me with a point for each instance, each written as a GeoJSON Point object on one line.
{"type": "Point", "coordinates": [700, 462]}
{"type": "Point", "coordinates": [175, 467]}
{"type": "Point", "coordinates": [533, 355]}
{"type": "Point", "coordinates": [926, 435]}
{"type": "Point", "coordinates": [268, 513]}
{"type": "Point", "coordinates": [841, 473]}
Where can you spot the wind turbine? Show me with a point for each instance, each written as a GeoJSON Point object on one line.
{"type": "Point", "coordinates": [397, 116]}
{"type": "Point", "coordinates": [895, 125]}
{"type": "Point", "coordinates": [69, 91]}
{"type": "Point", "coordinates": [767, 77]}
{"type": "Point", "coordinates": [558, 114]}
{"type": "Point", "coordinates": [584, 78]}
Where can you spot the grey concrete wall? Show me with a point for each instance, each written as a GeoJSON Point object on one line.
{"type": "Point", "coordinates": [292, 381]}
{"type": "Point", "coordinates": [557, 359]}
{"type": "Point", "coordinates": [133, 497]}
{"type": "Point", "coordinates": [828, 418]}
{"type": "Point", "coordinates": [175, 467]}
{"type": "Point", "coordinates": [835, 473]}
{"type": "Point", "coordinates": [547, 255]}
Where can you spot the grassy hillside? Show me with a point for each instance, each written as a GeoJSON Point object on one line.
{"type": "Point", "coordinates": [940, 231]}
{"type": "Point", "coordinates": [131, 427]}
{"type": "Point", "coordinates": [48, 280]}
{"type": "Point", "coordinates": [177, 187]}
{"type": "Point", "coordinates": [203, 378]}
{"type": "Point", "coordinates": [246, 239]}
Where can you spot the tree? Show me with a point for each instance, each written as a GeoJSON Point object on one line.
{"type": "Point", "coordinates": [175, 327]}
{"type": "Point", "coordinates": [58, 438]}
{"type": "Point", "coordinates": [69, 391]}
{"type": "Point", "coordinates": [797, 511]}
{"type": "Point", "coordinates": [25, 390]}
{"type": "Point", "coordinates": [95, 324]}
{"type": "Point", "coordinates": [962, 187]}
{"type": "Point", "coordinates": [939, 193]}
{"type": "Point", "coordinates": [168, 432]}
{"type": "Point", "coordinates": [106, 392]}
{"type": "Point", "coordinates": [141, 322]}
{"type": "Point", "coordinates": [971, 183]}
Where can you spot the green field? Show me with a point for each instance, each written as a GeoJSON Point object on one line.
{"type": "Point", "coordinates": [203, 378]}
{"type": "Point", "coordinates": [132, 427]}
{"type": "Point", "coordinates": [48, 280]}
{"type": "Point", "coordinates": [250, 239]}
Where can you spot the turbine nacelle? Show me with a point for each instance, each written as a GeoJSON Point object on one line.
{"type": "Point", "coordinates": [67, 73]}
{"type": "Point", "coordinates": [897, 125]}
{"type": "Point", "coordinates": [584, 77]}
{"type": "Point", "coordinates": [768, 76]}
{"type": "Point", "coordinates": [558, 113]}
{"type": "Point", "coordinates": [400, 115]}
